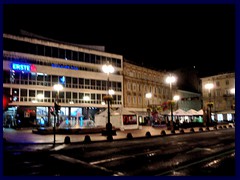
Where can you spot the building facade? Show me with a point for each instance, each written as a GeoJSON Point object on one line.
{"type": "Point", "coordinates": [218, 91]}
{"type": "Point", "coordinates": [32, 66]}
{"type": "Point", "coordinates": [140, 81]}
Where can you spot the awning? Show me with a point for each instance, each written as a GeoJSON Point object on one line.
{"type": "Point", "coordinates": [226, 112]}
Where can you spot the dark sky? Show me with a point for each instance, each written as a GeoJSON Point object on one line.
{"type": "Point", "coordinates": [165, 37]}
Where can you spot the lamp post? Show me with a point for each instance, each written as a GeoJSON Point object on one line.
{"type": "Point", "coordinates": [171, 79]}
{"type": "Point", "coordinates": [108, 68]}
{"type": "Point", "coordinates": [148, 96]}
{"type": "Point", "coordinates": [56, 87]}
{"type": "Point", "coordinates": [209, 86]}
{"type": "Point", "coordinates": [176, 98]}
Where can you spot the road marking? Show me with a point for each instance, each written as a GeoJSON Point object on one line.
{"type": "Point", "coordinates": [77, 161]}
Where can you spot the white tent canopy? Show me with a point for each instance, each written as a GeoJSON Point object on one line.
{"type": "Point", "coordinates": [200, 112]}
{"type": "Point", "coordinates": [193, 112]}
{"type": "Point", "coordinates": [180, 112]}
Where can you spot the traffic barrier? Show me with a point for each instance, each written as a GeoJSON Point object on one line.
{"type": "Point", "coordinates": [148, 134]}
{"type": "Point", "coordinates": [87, 139]}
{"type": "Point", "coordinates": [224, 126]}
{"type": "Point", "coordinates": [230, 126]}
{"type": "Point", "coordinates": [173, 132]}
{"type": "Point", "coordinates": [215, 127]}
{"type": "Point", "coordinates": [207, 129]}
{"type": "Point", "coordinates": [67, 140]}
{"type": "Point", "coordinates": [220, 127]}
{"type": "Point", "coordinates": [200, 129]}
{"type": "Point", "coordinates": [129, 136]}
{"type": "Point", "coordinates": [163, 133]}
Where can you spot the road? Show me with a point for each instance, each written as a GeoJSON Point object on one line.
{"type": "Point", "coordinates": [206, 153]}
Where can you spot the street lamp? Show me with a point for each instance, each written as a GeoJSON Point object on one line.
{"type": "Point", "coordinates": [56, 87]}
{"type": "Point", "coordinates": [171, 79]}
{"type": "Point", "coordinates": [108, 68]}
{"type": "Point", "coordinates": [209, 86]}
{"type": "Point", "coordinates": [148, 96]}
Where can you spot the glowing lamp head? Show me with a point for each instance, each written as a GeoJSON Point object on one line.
{"type": "Point", "coordinates": [108, 68]}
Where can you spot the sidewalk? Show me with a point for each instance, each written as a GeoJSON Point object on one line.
{"type": "Point", "coordinates": [26, 135]}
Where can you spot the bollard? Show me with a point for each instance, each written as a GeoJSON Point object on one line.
{"type": "Point", "coordinates": [67, 140]}
{"type": "Point", "coordinates": [163, 133]}
{"type": "Point", "coordinates": [182, 131]}
{"type": "Point", "coordinates": [148, 134]}
{"type": "Point", "coordinates": [87, 139]}
{"type": "Point", "coordinates": [129, 136]}
{"type": "Point", "coordinates": [109, 138]}
{"type": "Point", "coordinates": [192, 130]}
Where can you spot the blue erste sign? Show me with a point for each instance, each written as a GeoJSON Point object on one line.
{"type": "Point", "coordinates": [21, 67]}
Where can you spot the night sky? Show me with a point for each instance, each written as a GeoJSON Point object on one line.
{"type": "Point", "coordinates": [164, 37]}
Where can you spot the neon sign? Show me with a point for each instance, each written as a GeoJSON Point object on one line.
{"type": "Point", "coordinates": [23, 67]}
{"type": "Point", "coordinates": [64, 66]}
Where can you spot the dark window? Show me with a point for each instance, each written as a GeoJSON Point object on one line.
{"type": "Point", "coordinates": [23, 92]}
{"type": "Point", "coordinates": [62, 53]}
{"type": "Point", "coordinates": [55, 52]}
{"type": "Point", "coordinates": [87, 58]}
{"type": "Point", "coordinates": [92, 96]}
{"type": "Point", "coordinates": [81, 56]}
{"type": "Point", "coordinates": [81, 81]}
{"type": "Point", "coordinates": [32, 93]}
{"type": "Point", "coordinates": [74, 95]}
{"type": "Point", "coordinates": [48, 51]}
{"type": "Point", "coordinates": [68, 95]}
{"type": "Point", "coordinates": [75, 55]}
{"type": "Point", "coordinates": [40, 50]}
{"type": "Point", "coordinates": [40, 77]}
{"type": "Point", "coordinates": [68, 54]}
{"type": "Point", "coordinates": [81, 95]}
{"type": "Point", "coordinates": [54, 79]}
{"type": "Point", "coordinates": [74, 81]}
{"type": "Point", "coordinates": [47, 94]}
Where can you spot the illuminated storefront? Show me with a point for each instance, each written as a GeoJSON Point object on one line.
{"type": "Point", "coordinates": [31, 67]}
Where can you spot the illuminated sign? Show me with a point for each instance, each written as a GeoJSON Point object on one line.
{"type": "Point", "coordinates": [23, 67]}
{"type": "Point", "coordinates": [62, 80]}
{"type": "Point", "coordinates": [64, 66]}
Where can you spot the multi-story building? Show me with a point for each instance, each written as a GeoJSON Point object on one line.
{"type": "Point", "coordinates": [141, 81]}
{"type": "Point", "coordinates": [32, 66]}
{"type": "Point", "coordinates": [219, 92]}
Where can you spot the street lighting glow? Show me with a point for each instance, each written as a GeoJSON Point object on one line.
{"type": "Point", "coordinates": [108, 68]}
{"type": "Point", "coordinates": [232, 91]}
{"type": "Point", "coordinates": [176, 97]}
{"type": "Point", "coordinates": [86, 98]}
{"type": "Point", "coordinates": [209, 86]}
{"type": "Point", "coordinates": [111, 91]}
{"type": "Point", "coordinates": [58, 87]}
{"type": "Point", "coordinates": [170, 79]}
{"type": "Point", "coordinates": [148, 95]}
{"type": "Point", "coordinates": [40, 96]}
